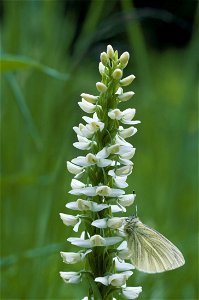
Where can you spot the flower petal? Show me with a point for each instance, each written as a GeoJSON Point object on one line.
{"type": "Point", "coordinates": [103, 280]}
{"type": "Point", "coordinates": [79, 242]}
{"type": "Point", "coordinates": [100, 223]}
{"type": "Point", "coordinates": [131, 292]}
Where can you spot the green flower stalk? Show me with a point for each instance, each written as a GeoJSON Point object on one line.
{"type": "Point", "coordinates": [99, 181]}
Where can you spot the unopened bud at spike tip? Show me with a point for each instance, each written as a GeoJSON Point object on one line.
{"type": "Point", "coordinates": [110, 51]}
{"type": "Point", "coordinates": [117, 74]}
{"type": "Point", "coordinates": [127, 80]}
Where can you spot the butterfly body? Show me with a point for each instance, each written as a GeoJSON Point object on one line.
{"type": "Point", "coordinates": [150, 251]}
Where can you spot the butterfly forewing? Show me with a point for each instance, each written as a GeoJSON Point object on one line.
{"type": "Point", "coordinates": [150, 251]}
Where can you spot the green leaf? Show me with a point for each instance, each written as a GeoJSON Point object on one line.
{"type": "Point", "coordinates": [10, 62]}
{"type": "Point", "coordinates": [93, 285]}
{"type": "Point", "coordinates": [24, 109]}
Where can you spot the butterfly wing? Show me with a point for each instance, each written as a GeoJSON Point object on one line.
{"type": "Point", "coordinates": [151, 251]}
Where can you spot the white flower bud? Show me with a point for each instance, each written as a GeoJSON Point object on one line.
{"type": "Point", "coordinates": [89, 98]}
{"type": "Point", "coordinates": [126, 96]}
{"type": "Point", "coordinates": [104, 58]}
{"type": "Point", "coordinates": [73, 169]}
{"type": "Point", "coordinates": [127, 80]}
{"type": "Point", "coordinates": [117, 74]}
{"type": "Point", "coordinates": [101, 68]}
{"type": "Point", "coordinates": [101, 87]}
{"type": "Point", "coordinates": [124, 58]}
{"type": "Point", "coordinates": [110, 51]}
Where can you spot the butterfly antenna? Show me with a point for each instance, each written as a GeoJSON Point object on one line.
{"type": "Point", "coordinates": [136, 211]}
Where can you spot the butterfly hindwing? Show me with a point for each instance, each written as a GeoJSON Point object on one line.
{"type": "Point", "coordinates": [150, 251]}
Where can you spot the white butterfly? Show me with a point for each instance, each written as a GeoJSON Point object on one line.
{"type": "Point", "coordinates": [150, 251]}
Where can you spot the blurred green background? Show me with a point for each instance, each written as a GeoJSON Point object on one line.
{"type": "Point", "coordinates": [38, 112]}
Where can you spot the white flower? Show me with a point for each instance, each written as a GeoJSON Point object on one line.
{"type": "Point", "coordinates": [94, 241]}
{"type": "Point", "coordinates": [126, 96]}
{"type": "Point", "coordinates": [125, 133]}
{"type": "Point", "coordinates": [117, 208]}
{"type": "Point", "coordinates": [127, 80]}
{"type": "Point", "coordinates": [91, 159]}
{"type": "Point", "coordinates": [131, 292]}
{"type": "Point", "coordinates": [83, 130]}
{"type": "Point", "coordinates": [125, 162]}
{"type": "Point", "coordinates": [73, 257]}
{"type": "Point", "coordinates": [123, 251]}
{"type": "Point", "coordinates": [91, 191]}
{"type": "Point", "coordinates": [76, 184]}
{"type": "Point", "coordinates": [126, 200]}
{"type": "Point", "coordinates": [113, 223]}
{"type": "Point", "coordinates": [89, 98]}
{"type": "Point", "coordinates": [127, 116]}
{"type": "Point", "coordinates": [119, 140]}
{"type": "Point", "coordinates": [87, 106]}
{"type": "Point", "coordinates": [100, 223]}
{"type": "Point", "coordinates": [106, 191]}
{"type": "Point", "coordinates": [119, 181]}
{"type": "Point", "coordinates": [82, 205]}
{"type": "Point", "coordinates": [94, 124]}
{"type": "Point", "coordinates": [117, 280]}
{"type": "Point", "coordinates": [128, 155]}
{"type": "Point", "coordinates": [83, 144]}
{"type": "Point", "coordinates": [124, 171]}
{"type": "Point", "coordinates": [115, 114]}
{"type": "Point", "coordinates": [122, 265]}
{"type": "Point", "coordinates": [71, 277]}
{"type": "Point", "coordinates": [119, 149]}
{"type": "Point", "coordinates": [70, 220]}
{"type": "Point", "coordinates": [73, 169]}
